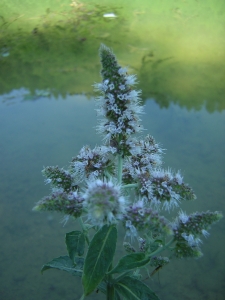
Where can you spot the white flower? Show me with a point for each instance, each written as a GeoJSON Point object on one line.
{"type": "Point", "coordinates": [131, 231]}
{"type": "Point", "coordinates": [65, 219]}
{"type": "Point", "coordinates": [171, 204]}
{"type": "Point", "coordinates": [120, 96]}
{"type": "Point", "coordinates": [183, 217]}
{"type": "Point", "coordinates": [72, 195]}
{"type": "Point", "coordinates": [111, 98]}
{"type": "Point", "coordinates": [111, 86]}
{"type": "Point", "coordinates": [133, 95]}
{"type": "Point", "coordinates": [191, 239]}
{"type": "Point", "coordinates": [103, 202]}
{"type": "Point", "coordinates": [179, 178]}
{"type": "Point", "coordinates": [48, 180]}
{"type": "Point", "coordinates": [105, 82]}
{"type": "Point", "coordinates": [130, 79]}
{"type": "Point", "coordinates": [122, 87]}
{"type": "Point", "coordinates": [205, 233]}
{"type": "Point", "coordinates": [102, 86]}
{"type": "Point", "coordinates": [57, 190]}
{"type": "Point", "coordinates": [122, 71]}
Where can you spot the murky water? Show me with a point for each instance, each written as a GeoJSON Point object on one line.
{"type": "Point", "coordinates": [48, 58]}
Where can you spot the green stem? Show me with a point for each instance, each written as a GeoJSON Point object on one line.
{"type": "Point", "coordinates": [110, 288]}
{"type": "Point", "coordinates": [162, 248]}
{"type": "Point", "coordinates": [122, 275]}
{"type": "Point", "coordinates": [84, 230]}
{"type": "Point", "coordinates": [110, 291]}
{"type": "Point", "coordinates": [120, 168]}
{"type": "Point", "coordinates": [130, 185]}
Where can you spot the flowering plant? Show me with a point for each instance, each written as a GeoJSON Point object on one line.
{"type": "Point", "coordinates": [122, 182]}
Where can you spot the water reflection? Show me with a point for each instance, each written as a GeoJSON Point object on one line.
{"type": "Point", "coordinates": [174, 58]}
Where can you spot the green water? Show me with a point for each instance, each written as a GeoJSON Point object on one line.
{"type": "Point", "coordinates": [48, 63]}
{"type": "Point", "coordinates": [175, 47]}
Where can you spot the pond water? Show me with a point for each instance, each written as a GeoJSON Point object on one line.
{"type": "Point", "coordinates": [48, 64]}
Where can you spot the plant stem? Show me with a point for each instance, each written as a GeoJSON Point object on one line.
{"type": "Point", "coordinates": [120, 168]}
{"type": "Point", "coordinates": [110, 289]}
{"type": "Point", "coordinates": [162, 248]}
{"type": "Point", "coordinates": [84, 230]}
{"type": "Point", "coordinates": [130, 185]}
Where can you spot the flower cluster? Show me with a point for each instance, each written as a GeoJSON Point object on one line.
{"type": "Point", "coordinates": [189, 229]}
{"type": "Point", "coordinates": [123, 180]}
{"type": "Point", "coordinates": [119, 106]}
{"type": "Point", "coordinates": [158, 187]}
{"type": "Point", "coordinates": [146, 219]}
{"type": "Point", "coordinates": [159, 261]}
{"type": "Point", "coordinates": [92, 163]}
{"type": "Point", "coordinates": [146, 155]}
{"type": "Point", "coordinates": [70, 204]}
{"type": "Point", "coordinates": [103, 202]}
{"type": "Point", "coordinates": [169, 189]}
{"type": "Point", "coordinates": [59, 178]}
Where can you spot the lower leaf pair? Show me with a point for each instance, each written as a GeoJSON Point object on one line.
{"type": "Point", "coordinates": [96, 268]}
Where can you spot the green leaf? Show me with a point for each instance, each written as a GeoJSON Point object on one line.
{"type": "Point", "coordinates": [129, 262]}
{"type": "Point", "coordinates": [79, 263]}
{"type": "Point", "coordinates": [99, 257]}
{"type": "Point", "coordinates": [64, 263]}
{"type": "Point", "coordinates": [102, 287]}
{"type": "Point", "coordinates": [117, 296]}
{"type": "Point", "coordinates": [133, 289]}
{"type": "Point", "coordinates": [75, 242]}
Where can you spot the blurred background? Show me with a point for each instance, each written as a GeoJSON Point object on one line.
{"type": "Point", "coordinates": [48, 64]}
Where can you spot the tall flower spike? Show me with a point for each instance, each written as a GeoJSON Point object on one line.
{"type": "Point", "coordinates": [119, 106]}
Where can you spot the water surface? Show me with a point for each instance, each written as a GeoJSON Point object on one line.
{"type": "Point", "coordinates": [48, 63]}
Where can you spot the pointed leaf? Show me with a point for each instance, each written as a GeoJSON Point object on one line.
{"type": "Point", "coordinates": [63, 263]}
{"type": "Point", "coordinates": [75, 242]}
{"type": "Point", "coordinates": [99, 257]}
{"type": "Point", "coordinates": [129, 262]}
{"type": "Point", "coordinates": [133, 289]}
